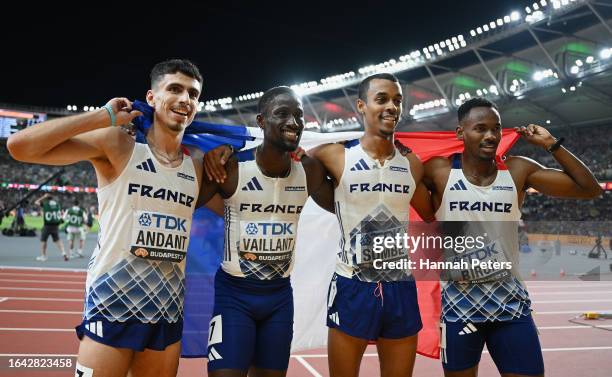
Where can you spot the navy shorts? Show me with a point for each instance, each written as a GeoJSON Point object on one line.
{"type": "Point", "coordinates": [133, 335]}
{"type": "Point", "coordinates": [513, 345]}
{"type": "Point", "coordinates": [49, 230]}
{"type": "Point", "coordinates": [371, 310]}
{"type": "Point", "coordinates": [252, 323]}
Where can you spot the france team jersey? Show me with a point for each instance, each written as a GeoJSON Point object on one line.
{"type": "Point", "coordinates": [372, 199]}
{"type": "Point", "coordinates": [483, 296]}
{"type": "Point", "coordinates": [137, 271]}
{"type": "Point", "coordinates": [261, 220]}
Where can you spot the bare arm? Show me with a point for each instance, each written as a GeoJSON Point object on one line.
{"type": "Point", "coordinates": [574, 181]}
{"type": "Point", "coordinates": [320, 187]}
{"type": "Point", "coordinates": [421, 199]}
{"type": "Point", "coordinates": [68, 140]}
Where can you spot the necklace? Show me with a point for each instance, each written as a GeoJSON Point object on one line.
{"type": "Point", "coordinates": [264, 171]}
{"type": "Point", "coordinates": [165, 157]}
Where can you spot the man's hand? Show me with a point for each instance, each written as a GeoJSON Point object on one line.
{"type": "Point", "coordinates": [214, 163]}
{"type": "Point", "coordinates": [536, 135]}
{"type": "Point", "coordinates": [122, 108]}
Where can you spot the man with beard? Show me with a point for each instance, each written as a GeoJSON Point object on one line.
{"type": "Point", "coordinates": [492, 306]}
{"type": "Point", "coordinates": [264, 193]}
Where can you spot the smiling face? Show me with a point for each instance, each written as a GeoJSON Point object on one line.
{"type": "Point", "coordinates": [382, 108]}
{"type": "Point", "coordinates": [480, 131]}
{"type": "Point", "coordinates": [175, 99]}
{"type": "Point", "coordinates": [282, 120]}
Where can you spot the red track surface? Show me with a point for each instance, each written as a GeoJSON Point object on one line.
{"type": "Point", "coordinates": [39, 309]}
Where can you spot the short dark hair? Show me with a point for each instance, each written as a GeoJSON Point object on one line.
{"type": "Point", "coordinates": [468, 105]}
{"type": "Point", "coordinates": [364, 86]}
{"type": "Point", "coordinates": [171, 66]}
{"type": "Point", "coordinates": [270, 94]}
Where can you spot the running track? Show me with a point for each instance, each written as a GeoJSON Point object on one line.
{"type": "Point", "coordinates": [39, 309]}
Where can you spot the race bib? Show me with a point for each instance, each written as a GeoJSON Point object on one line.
{"type": "Point", "coordinates": [267, 241]}
{"type": "Point", "coordinates": [486, 264]}
{"type": "Point", "coordinates": [159, 236]}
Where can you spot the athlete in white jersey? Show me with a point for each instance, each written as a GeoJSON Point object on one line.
{"type": "Point", "coordinates": [481, 195]}
{"type": "Point", "coordinates": [374, 187]}
{"type": "Point", "coordinates": [147, 194]}
{"type": "Point", "coordinates": [264, 193]}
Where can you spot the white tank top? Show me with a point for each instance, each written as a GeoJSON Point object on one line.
{"type": "Point", "coordinates": [261, 220]}
{"type": "Point", "coordinates": [137, 270]}
{"type": "Point", "coordinates": [372, 200]}
{"type": "Point", "coordinates": [491, 212]}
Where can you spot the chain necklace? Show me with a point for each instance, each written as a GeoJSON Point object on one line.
{"type": "Point", "coordinates": [165, 157]}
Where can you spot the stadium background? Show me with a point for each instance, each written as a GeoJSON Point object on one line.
{"type": "Point", "coordinates": [547, 63]}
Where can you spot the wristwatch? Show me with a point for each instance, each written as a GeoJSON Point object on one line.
{"type": "Point", "coordinates": [556, 145]}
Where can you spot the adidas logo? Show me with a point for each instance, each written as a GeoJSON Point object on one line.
{"type": "Point", "coordinates": [468, 329]}
{"type": "Point", "coordinates": [335, 318]}
{"type": "Point", "coordinates": [95, 328]}
{"type": "Point", "coordinates": [147, 165]}
{"type": "Point", "coordinates": [360, 165]}
{"type": "Point", "coordinates": [253, 185]}
{"type": "Point", "coordinates": [458, 186]}
{"type": "Point", "coordinates": [213, 354]}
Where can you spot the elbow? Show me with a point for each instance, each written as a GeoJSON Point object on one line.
{"type": "Point", "coordinates": [16, 146]}
{"type": "Point", "coordinates": [596, 192]}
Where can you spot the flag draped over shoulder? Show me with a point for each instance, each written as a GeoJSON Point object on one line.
{"type": "Point", "coordinates": [318, 239]}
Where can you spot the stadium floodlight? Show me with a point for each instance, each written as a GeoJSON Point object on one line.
{"type": "Point", "coordinates": [479, 30]}
{"type": "Point", "coordinates": [547, 121]}
{"type": "Point", "coordinates": [579, 63]}
{"type": "Point", "coordinates": [507, 19]}
{"type": "Point", "coordinates": [556, 4]}
{"type": "Point", "coordinates": [563, 90]}
{"type": "Point", "coordinates": [479, 92]}
{"type": "Point", "coordinates": [564, 2]}
{"type": "Point", "coordinates": [537, 76]}
{"type": "Point", "coordinates": [589, 59]}
{"type": "Point", "coordinates": [468, 95]}
{"type": "Point", "coordinates": [484, 91]}
{"type": "Point", "coordinates": [493, 89]}
{"type": "Point", "coordinates": [492, 25]}
{"type": "Point", "coordinates": [513, 88]}
{"type": "Point", "coordinates": [462, 96]}
{"type": "Point", "coordinates": [515, 16]}
{"type": "Point", "coordinates": [605, 53]}
{"type": "Point", "coordinates": [485, 27]}
{"type": "Point", "coordinates": [454, 40]}
{"type": "Point", "coordinates": [543, 3]}
{"type": "Point", "coordinates": [535, 6]}
{"type": "Point", "coordinates": [69, 107]}
{"type": "Point", "coordinates": [463, 43]}
{"type": "Point", "coordinates": [574, 69]}
{"type": "Point", "coordinates": [451, 48]}
{"type": "Point", "coordinates": [85, 108]}
{"type": "Point", "coordinates": [500, 22]}
{"type": "Point", "coordinates": [527, 10]}
{"type": "Point", "coordinates": [460, 37]}
{"type": "Point", "coordinates": [572, 88]}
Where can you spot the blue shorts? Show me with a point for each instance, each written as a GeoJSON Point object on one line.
{"type": "Point", "coordinates": [368, 311]}
{"type": "Point", "coordinates": [252, 323]}
{"type": "Point", "coordinates": [133, 335]}
{"type": "Point", "coordinates": [513, 345]}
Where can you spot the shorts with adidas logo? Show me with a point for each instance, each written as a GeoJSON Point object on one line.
{"type": "Point", "coordinates": [252, 323]}
{"type": "Point", "coordinates": [513, 345]}
{"type": "Point", "coordinates": [134, 335]}
{"type": "Point", "coordinates": [370, 310]}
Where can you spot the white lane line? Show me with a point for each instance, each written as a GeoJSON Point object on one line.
{"type": "Point", "coordinates": [38, 311]}
{"type": "Point", "coordinates": [42, 289]}
{"type": "Point", "coordinates": [43, 281]}
{"type": "Point", "coordinates": [2, 299]}
{"type": "Point", "coordinates": [22, 274]}
{"type": "Point", "coordinates": [19, 268]}
{"type": "Point", "coordinates": [570, 293]}
{"type": "Point", "coordinates": [20, 329]}
{"type": "Point", "coordinates": [573, 349]}
{"type": "Point", "coordinates": [569, 301]}
{"type": "Point", "coordinates": [43, 299]}
{"type": "Point", "coordinates": [537, 312]}
{"type": "Point", "coordinates": [307, 365]}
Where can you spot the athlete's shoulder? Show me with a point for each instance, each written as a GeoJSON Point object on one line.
{"type": "Point", "coordinates": [438, 162]}
{"type": "Point", "coordinates": [521, 163]}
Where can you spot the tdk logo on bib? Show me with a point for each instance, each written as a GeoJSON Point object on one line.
{"type": "Point", "coordinates": [161, 221]}
{"type": "Point", "coordinates": [268, 229]}
{"type": "Point", "coordinates": [379, 187]}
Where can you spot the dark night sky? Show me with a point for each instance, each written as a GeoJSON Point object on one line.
{"type": "Point", "coordinates": [55, 55]}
